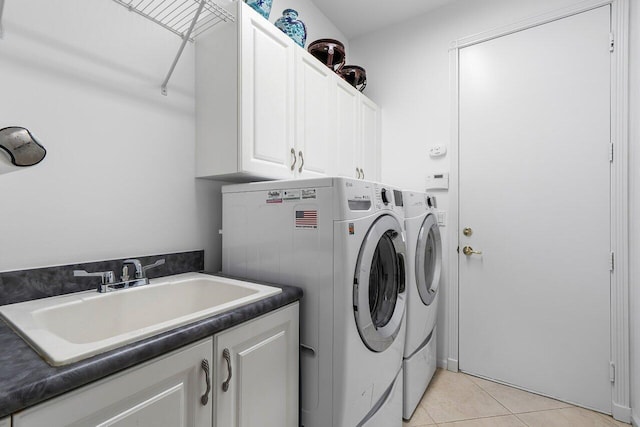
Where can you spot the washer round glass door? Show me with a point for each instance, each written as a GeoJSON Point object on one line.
{"type": "Point", "coordinates": [379, 284]}
{"type": "Point", "coordinates": [428, 259]}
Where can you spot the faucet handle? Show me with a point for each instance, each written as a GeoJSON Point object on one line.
{"type": "Point", "coordinates": [106, 276]}
{"type": "Point", "coordinates": [158, 263]}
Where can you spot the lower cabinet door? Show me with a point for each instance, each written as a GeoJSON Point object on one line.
{"type": "Point", "coordinates": [256, 372]}
{"type": "Point", "coordinates": [5, 422]}
{"type": "Point", "coordinates": [165, 392]}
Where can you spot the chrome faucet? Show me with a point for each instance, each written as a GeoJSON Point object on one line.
{"type": "Point", "coordinates": [141, 272]}
{"type": "Point", "coordinates": [108, 283]}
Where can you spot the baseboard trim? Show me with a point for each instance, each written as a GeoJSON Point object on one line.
{"type": "Point", "coordinates": [452, 365]}
{"type": "Point", "coordinates": [635, 421]}
{"type": "Point", "coordinates": [442, 363]}
{"type": "Point", "coordinates": [622, 413]}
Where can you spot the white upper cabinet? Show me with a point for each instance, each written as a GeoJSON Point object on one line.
{"type": "Point", "coordinates": [245, 83]}
{"type": "Point", "coordinates": [315, 116]}
{"type": "Point", "coordinates": [358, 126]}
{"type": "Point", "coordinates": [347, 130]}
{"type": "Point", "coordinates": [267, 97]}
{"type": "Point", "coordinates": [370, 149]}
{"type": "Point", "coordinates": [267, 109]}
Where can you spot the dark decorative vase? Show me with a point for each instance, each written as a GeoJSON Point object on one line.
{"type": "Point", "coordinates": [355, 75]}
{"type": "Point", "coordinates": [263, 7]}
{"type": "Point", "coordinates": [291, 26]}
{"type": "Point", "coordinates": [328, 51]}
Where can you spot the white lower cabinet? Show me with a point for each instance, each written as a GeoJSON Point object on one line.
{"type": "Point", "coordinates": [163, 392]}
{"type": "Point", "coordinates": [178, 390]}
{"type": "Point", "coordinates": [261, 370]}
{"type": "Point", "coordinates": [5, 422]}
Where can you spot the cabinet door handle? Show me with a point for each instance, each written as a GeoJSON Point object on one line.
{"type": "Point", "coordinates": [295, 159]}
{"type": "Point", "coordinates": [207, 376]}
{"type": "Point", "coordinates": [227, 356]}
{"type": "Point", "coordinates": [362, 172]}
{"type": "Point", "coordinates": [357, 173]}
{"type": "Point", "coordinates": [302, 160]}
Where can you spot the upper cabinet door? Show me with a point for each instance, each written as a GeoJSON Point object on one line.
{"type": "Point", "coordinates": [315, 112]}
{"type": "Point", "coordinates": [267, 97]}
{"type": "Point", "coordinates": [370, 139]}
{"type": "Point", "coordinates": [347, 138]}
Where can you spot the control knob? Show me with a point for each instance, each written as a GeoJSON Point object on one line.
{"type": "Point", "coordinates": [383, 195]}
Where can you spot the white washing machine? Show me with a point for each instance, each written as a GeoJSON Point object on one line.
{"type": "Point", "coordinates": [340, 240]}
{"type": "Point", "coordinates": [424, 264]}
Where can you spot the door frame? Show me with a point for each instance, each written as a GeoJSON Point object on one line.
{"type": "Point", "coordinates": [619, 310]}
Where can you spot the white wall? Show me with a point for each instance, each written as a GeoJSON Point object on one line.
{"type": "Point", "coordinates": [408, 75]}
{"type": "Point", "coordinates": [118, 179]}
{"type": "Point", "coordinates": [634, 214]}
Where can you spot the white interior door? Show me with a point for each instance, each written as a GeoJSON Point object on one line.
{"type": "Point", "coordinates": [535, 190]}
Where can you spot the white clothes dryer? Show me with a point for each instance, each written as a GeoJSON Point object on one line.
{"type": "Point", "coordinates": [424, 264]}
{"type": "Point", "coordinates": [342, 241]}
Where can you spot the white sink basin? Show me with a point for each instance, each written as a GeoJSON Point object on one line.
{"type": "Point", "coordinates": [69, 328]}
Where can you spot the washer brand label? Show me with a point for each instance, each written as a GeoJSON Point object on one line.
{"type": "Point", "coordinates": [289, 195]}
{"type": "Point", "coordinates": [352, 229]}
{"type": "Point", "coordinates": [274, 197]}
{"type": "Point", "coordinates": [309, 193]}
{"type": "Point", "coordinates": [306, 219]}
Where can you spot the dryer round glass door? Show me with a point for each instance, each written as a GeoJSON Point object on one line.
{"type": "Point", "coordinates": [379, 284]}
{"type": "Point", "coordinates": [428, 259]}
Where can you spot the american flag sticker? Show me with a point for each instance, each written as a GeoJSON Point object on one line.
{"type": "Point", "coordinates": [307, 219]}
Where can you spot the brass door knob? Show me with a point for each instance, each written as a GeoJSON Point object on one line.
{"type": "Point", "coordinates": [467, 231]}
{"type": "Point", "coordinates": [468, 250]}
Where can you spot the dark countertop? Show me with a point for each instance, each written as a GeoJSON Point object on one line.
{"type": "Point", "coordinates": [26, 379]}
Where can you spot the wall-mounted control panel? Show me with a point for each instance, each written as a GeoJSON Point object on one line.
{"type": "Point", "coordinates": [438, 181]}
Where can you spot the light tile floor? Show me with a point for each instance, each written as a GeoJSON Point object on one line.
{"type": "Point", "coordinates": [460, 400]}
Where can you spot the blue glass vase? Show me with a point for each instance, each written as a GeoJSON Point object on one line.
{"type": "Point", "coordinates": [263, 7]}
{"type": "Point", "coordinates": [291, 26]}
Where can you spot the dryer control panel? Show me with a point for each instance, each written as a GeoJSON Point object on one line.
{"type": "Point", "coordinates": [388, 198]}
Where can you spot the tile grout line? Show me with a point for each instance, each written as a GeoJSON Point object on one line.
{"type": "Point", "coordinates": [603, 417]}
{"type": "Point", "coordinates": [490, 395]}
{"type": "Point", "coordinates": [470, 419]}
{"type": "Point", "coordinates": [486, 391]}
{"type": "Point", "coordinates": [473, 419]}
{"type": "Point", "coordinates": [569, 405]}
{"type": "Point", "coordinates": [521, 420]}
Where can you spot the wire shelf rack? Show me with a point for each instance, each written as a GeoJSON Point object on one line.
{"type": "Point", "coordinates": [178, 15]}
{"type": "Point", "coordinates": [187, 19]}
